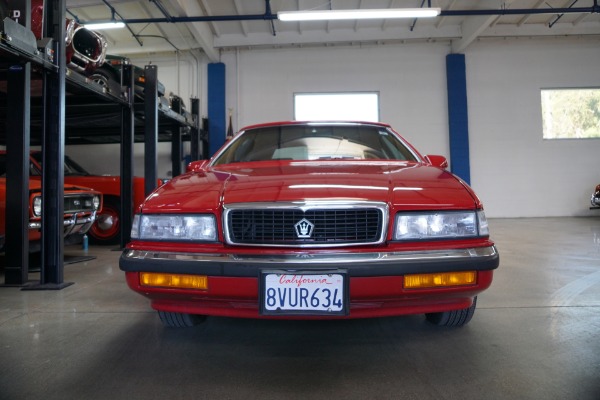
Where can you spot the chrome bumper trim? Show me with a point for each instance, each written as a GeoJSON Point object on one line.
{"type": "Point", "coordinates": [71, 223]}
{"type": "Point", "coordinates": [307, 258]}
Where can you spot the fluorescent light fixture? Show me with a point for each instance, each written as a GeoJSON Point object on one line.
{"type": "Point", "coordinates": [104, 25]}
{"type": "Point", "coordinates": [385, 13]}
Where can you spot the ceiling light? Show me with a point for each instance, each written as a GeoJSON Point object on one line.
{"type": "Point", "coordinates": [323, 15]}
{"type": "Point", "coordinates": [104, 25]}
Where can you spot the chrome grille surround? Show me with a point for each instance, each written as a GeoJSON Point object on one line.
{"type": "Point", "coordinates": [75, 202]}
{"type": "Point", "coordinates": [335, 223]}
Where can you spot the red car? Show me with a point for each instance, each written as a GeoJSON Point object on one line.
{"type": "Point", "coordinates": [106, 229]}
{"type": "Point", "coordinates": [80, 207]}
{"type": "Point", "coordinates": [312, 220]}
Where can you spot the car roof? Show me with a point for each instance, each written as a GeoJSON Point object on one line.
{"type": "Point", "coordinates": [316, 123]}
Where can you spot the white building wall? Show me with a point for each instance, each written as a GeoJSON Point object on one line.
{"type": "Point", "coordinates": [514, 171]}
{"type": "Point", "coordinates": [410, 79]}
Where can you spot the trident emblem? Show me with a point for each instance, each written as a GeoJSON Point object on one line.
{"type": "Point", "coordinates": [304, 228]}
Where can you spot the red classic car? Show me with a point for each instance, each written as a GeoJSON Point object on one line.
{"type": "Point", "coordinates": [80, 207]}
{"type": "Point", "coordinates": [312, 220]}
{"type": "Point", "coordinates": [106, 228]}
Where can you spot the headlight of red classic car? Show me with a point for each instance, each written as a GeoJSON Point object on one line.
{"type": "Point", "coordinates": [174, 227]}
{"type": "Point", "coordinates": [440, 225]}
{"type": "Point", "coordinates": [312, 220]}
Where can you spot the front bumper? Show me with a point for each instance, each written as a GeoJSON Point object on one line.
{"type": "Point", "coordinates": [357, 264]}
{"type": "Point", "coordinates": [78, 223]}
{"type": "Point", "coordinates": [376, 280]}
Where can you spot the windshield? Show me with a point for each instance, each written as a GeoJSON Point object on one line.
{"type": "Point", "coordinates": [33, 170]}
{"type": "Point", "coordinates": [316, 142]}
{"type": "Point", "coordinates": [71, 167]}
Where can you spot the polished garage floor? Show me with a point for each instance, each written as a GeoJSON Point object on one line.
{"type": "Point", "coordinates": [535, 335]}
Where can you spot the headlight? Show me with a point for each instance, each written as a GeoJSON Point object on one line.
{"type": "Point", "coordinates": [174, 227]}
{"type": "Point", "coordinates": [96, 201]}
{"type": "Point", "coordinates": [37, 206]}
{"type": "Point", "coordinates": [442, 225]}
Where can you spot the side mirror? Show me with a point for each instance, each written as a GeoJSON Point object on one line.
{"type": "Point", "coordinates": [196, 166]}
{"type": "Point", "coordinates": [437, 161]}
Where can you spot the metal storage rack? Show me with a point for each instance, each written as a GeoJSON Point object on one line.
{"type": "Point", "coordinates": [38, 91]}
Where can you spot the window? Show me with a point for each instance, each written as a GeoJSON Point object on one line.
{"type": "Point", "coordinates": [571, 113]}
{"type": "Point", "coordinates": [336, 106]}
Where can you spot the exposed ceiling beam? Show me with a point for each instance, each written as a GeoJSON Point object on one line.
{"type": "Point", "coordinates": [238, 9]}
{"type": "Point", "coordinates": [207, 11]}
{"type": "Point", "coordinates": [201, 31]}
{"type": "Point", "coordinates": [471, 29]}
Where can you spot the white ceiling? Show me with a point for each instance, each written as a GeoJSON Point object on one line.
{"type": "Point", "coordinates": [211, 36]}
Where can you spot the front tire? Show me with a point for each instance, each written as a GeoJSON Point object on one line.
{"type": "Point", "coordinates": [454, 317]}
{"type": "Point", "coordinates": [180, 320]}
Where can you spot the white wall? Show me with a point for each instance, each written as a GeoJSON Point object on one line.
{"type": "Point", "coordinates": [410, 79]}
{"type": "Point", "coordinates": [514, 171]}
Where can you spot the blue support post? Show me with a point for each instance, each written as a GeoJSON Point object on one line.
{"type": "Point", "coordinates": [216, 106]}
{"type": "Point", "coordinates": [458, 117]}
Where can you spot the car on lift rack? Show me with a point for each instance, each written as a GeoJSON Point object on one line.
{"type": "Point", "coordinates": [85, 49]}
{"type": "Point", "coordinates": [107, 227]}
{"type": "Point", "coordinates": [80, 207]}
{"type": "Point", "coordinates": [312, 220]}
{"type": "Point", "coordinates": [109, 75]}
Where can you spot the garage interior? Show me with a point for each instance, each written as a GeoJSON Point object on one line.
{"type": "Point", "coordinates": [536, 333]}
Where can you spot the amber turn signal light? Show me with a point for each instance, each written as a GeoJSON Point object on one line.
{"type": "Point", "coordinates": [174, 280]}
{"type": "Point", "coordinates": [442, 279]}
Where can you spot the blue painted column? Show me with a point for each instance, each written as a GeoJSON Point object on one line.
{"type": "Point", "coordinates": [458, 117]}
{"type": "Point", "coordinates": [216, 106]}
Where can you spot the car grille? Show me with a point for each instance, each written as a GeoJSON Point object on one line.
{"type": "Point", "coordinates": [78, 203]}
{"type": "Point", "coordinates": [305, 227]}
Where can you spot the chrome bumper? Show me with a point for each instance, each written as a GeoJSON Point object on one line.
{"type": "Point", "coordinates": [72, 225]}
{"type": "Point", "coordinates": [358, 264]}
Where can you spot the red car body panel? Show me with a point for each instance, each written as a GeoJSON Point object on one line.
{"type": "Point", "coordinates": [381, 296]}
{"type": "Point", "coordinates": [110, 186]}
{"type": "Point", "coordinates": [423, 187]}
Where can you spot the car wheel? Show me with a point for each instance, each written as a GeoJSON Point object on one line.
{"type": "Point", "coordinates": [107, 228]}
{"type": "Point", "coordinates": [102, 78]}
{"type": "Point", "coordinates": [454, 317]}
{"type": "Point", "coordinates": [180, 320]}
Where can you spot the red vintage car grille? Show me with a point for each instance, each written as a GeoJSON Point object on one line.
{"type": "Point", "coordinates": [329, 226]}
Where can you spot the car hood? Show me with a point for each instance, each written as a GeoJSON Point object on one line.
{"type": "Point", "coordinates": [403, 185]}
{"type": "Point", "coordinates": [35, 185]}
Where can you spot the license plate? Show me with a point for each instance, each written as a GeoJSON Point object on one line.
{"type": "Point", "coordinates": [304, 293]}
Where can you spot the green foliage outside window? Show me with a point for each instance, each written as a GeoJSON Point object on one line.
{"type": "Point", "coordinates": [571, 113]}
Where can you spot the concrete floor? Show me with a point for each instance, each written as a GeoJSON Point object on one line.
{"type": "Point", "coordinates": [535, 335]}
